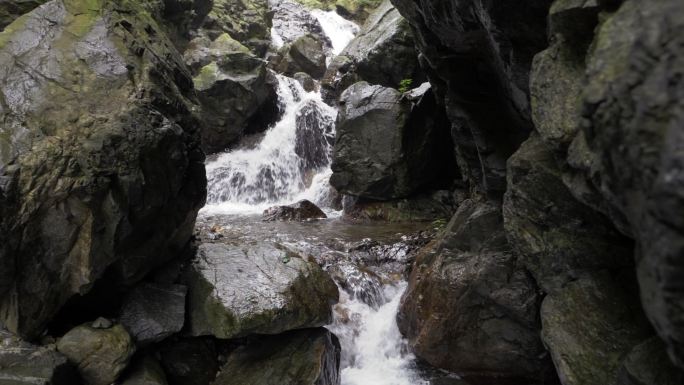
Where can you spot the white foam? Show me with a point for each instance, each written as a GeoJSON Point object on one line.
{"type": "Point", "coordinates": [339, 30]}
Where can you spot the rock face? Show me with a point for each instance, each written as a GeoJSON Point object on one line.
{"type": "Point", "coordinates": [388, 145]}
{"type": "Point", "coordinates": [247, 21]}
{"type": "Point", "coordinates": [470, 308]}
{"type": "Point", "coordinates": [477, 56]}
{"type": "Point", "coordinates": [558, 238]}
{"type": "Point", "coordinates": [383, 53]}
{"type": "Point", "coordinates": [152, 312]}
{"type": "Point", "coordinates": [266, 289]}
{"type": "Point", "coordinates": [291, 21]}
{"type": "Point", "coordinates": [99, 354]}
{"type": "Point", "coordinates": [23, 363]}
{"type": "Point", "coordinates": [617, 127]}
{"type": "Point", "coordinates": [300, 211]}
{"type": "Point", "coordinates": [126, 174]}
{"type": "Point", "coordinates": [237, 92]}
{"type": "Point", "coordinates": [589, 327]}
{"type": "Point", "coordinates": [10, 10]}
{"type": "Point", "coordinates": [648, 363]}
{"type": "Point", "coordinates": [306, 357]}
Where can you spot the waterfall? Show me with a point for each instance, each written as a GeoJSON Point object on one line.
{"type": "Point", "coordinates": [373, 350]}
{"type": "Point", "coordinates": [339, 30]}
{"type": "Point", "coordinates": [291, 162]}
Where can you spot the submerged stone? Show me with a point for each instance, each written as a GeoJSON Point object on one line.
{"type": "Point", "coordinates": [301, 211]}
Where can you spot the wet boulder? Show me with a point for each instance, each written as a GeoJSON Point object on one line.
{"type": "Point", "coordinates": [235, 89]}
{"type": "Point", "coordinates": [303, 210]}
{"type": "Point", "coordinates": [306, 357]}
{"type": "Point", "coordinates": [100, 353]}
{"type": "Point", "coordinates": [389, 145]}
{"type": "Point", "coordinates": [470, 307]}
{"type": "Point", "coordinates": [248, 21]}
{"type": "Point", "coordinates": [126, 174]}
{"type": "Point", "coordinates": [307, 82]}
{"type": "Point", "coordinates": [24, 363]}
{"type": "Point", "coordinates": [315, 135]}
{"type": "Point", "coordinates": [152, 312]}
{"type": "Point", "coordinates": [236, 290]}
{"type": "Point", "coordinates": [382, 53]}
{"type": "Point", "coordinates": [292, 20]}
{"type": "Point", "coordinates": [190, 361]}
{"type": "Point", "coordinates": [306, 54]}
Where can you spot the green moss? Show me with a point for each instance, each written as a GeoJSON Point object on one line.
{"type": "Point", "coordinates": [10, 30]}
{"type": "Point", "coordinates": [207, 76]}
{"type": "Point", "coordinates": [226, 43]}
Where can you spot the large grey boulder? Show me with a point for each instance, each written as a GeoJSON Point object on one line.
{"type": "Point", "coordinates": [100, 354]}
{"type": "Point", "coordinates": [236, 290]}
{"type": "Point", "coordinates": [100, 163]}
{"type": "Point", "coordinates": [382, 53]}
{"type": "Point", "coordinates": [22, 363]}
{"type": "Point", "coordinates": [152, 312]}
{"type": "Point", "coordinates": [292, 20]}
{"type": "Point", "coordinates": [388, 145]}
{"type": "Point", "coordinates": [306, 54]}
{"type": "Point", "coordinates": [470, 307]}
{"type": "Point", "coordinates": [303, 357]}
{"type": "Point", "coordinates": [248, 21]}
{"type": "Point", "coordinates": [235, 89]}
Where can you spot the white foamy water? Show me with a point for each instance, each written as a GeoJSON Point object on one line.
{"type": "Point", "coordinates": [373, 350]}
{"type": "Point", "coordinates": [251, 180]}
{"type": "Point", "coordinates": [339, 30]}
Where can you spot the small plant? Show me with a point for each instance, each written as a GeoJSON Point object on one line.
{"type": "Point", "coordinates": [405, 85]}
{"type": "Point", "coordinates": [439, 224]}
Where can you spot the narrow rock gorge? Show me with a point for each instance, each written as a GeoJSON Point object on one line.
{"type": "Point", "coordinates": [347, 192]}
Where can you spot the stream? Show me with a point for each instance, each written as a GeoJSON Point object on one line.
{"type": "Point", "coordinates": [291, 161]}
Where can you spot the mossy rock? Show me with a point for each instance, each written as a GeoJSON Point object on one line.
{"type": "Point", "coordinates": [102, 97]}
{"type": "Point", "coordinates": [266, 289]}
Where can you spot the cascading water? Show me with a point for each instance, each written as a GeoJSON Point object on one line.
{"type": "Point", "coordinates": [295, 149]}
{"type": "Point", "coordinates": [373, 350]}
{"type": "Point", "coordinates": [292, 162]}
